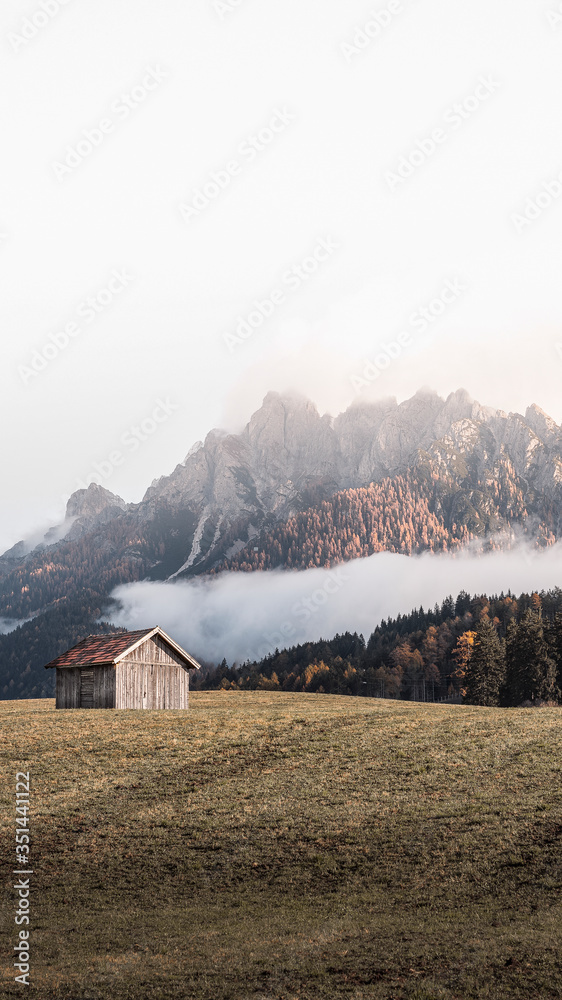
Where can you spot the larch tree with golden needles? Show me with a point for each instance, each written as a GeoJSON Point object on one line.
{"type": "Point", "coordinates": [461, 655]}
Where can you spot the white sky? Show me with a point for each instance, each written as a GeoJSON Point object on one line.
{"type": "Point", "coordinates": [323, 175]}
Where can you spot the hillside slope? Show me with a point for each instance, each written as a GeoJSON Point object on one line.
{"type": "Point", "coordinates": [304, 490]}
{"type": "Point", "coordinates": [421, 511]}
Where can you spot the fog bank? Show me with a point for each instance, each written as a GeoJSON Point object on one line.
{"type": "Point", "coordinates": [246, 615]}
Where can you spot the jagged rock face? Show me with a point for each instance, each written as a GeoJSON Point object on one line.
{"type": "Point", "coordinates": [403, 432]}
{"type": "Point", "coordinates": [287, 445]}
{"type": "Point", "coordinates": [91, 508]}
{"type": "Point", "coordinates": [92, 502]}
{"type": "Point", "coordinates": [543, 426]}
{"type": "Point", "coordinates": [288, 439]}
{"type": "Point", "coordinates": [288, 457]}
{"type": "Point", "coordinates": [288, 450]}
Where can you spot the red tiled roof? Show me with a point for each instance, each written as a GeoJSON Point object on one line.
{"type": "Point", "coordinates": [99, 649]}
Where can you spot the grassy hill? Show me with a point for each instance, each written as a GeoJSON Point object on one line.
{"type": "Point", "coordinates": [275, 845]}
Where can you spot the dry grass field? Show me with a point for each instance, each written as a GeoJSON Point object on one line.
{"type": "Point", "coordinates": [270, 846]}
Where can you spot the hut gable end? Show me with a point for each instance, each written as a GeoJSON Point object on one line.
{"type": "Point", "coordinates": [154, 650]}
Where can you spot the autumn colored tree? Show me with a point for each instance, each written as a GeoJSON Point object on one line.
{"type": "Point", "coordinates": [410, 662]}
{"type": "Point", "coordinates": [536, 602]}
{"type": "Point", "coordinates": [268, 683]}
{"type": "Point", "coordinates": [461, 655]}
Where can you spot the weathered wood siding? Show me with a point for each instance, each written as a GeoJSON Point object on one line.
{"type": "Point", "coordinates": [154, 650]}
{"type": "Point", "coordinates": [152, 676]}
{"type": "Point", "coordinates": [74, 690]}
{"type": "Point", "coordinates": [68, 688]}
{"type": "Point", "coordinates": [104, 687]}
{"type": "Point", "coordinates": [160, 683]}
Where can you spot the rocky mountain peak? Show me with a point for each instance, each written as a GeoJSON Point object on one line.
{"type": "Point", "coordinates": [92, 501]}
{"type": "Point", "coordinates": [543, 426]}
{"type": "Point", "coordinates": [86, 509]}
{"type": "Point", "coordinates": [285, 429]}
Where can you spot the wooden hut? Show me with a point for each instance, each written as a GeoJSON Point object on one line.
{"type": "Point", "coordinates": [144, 669]}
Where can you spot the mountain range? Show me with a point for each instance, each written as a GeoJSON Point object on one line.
{"type": "Point", "coordinates": [294, 489]}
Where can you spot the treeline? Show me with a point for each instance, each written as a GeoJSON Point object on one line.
{"type": "Point", "coordinates": [420, 511]}
{"type": "Point", "coordinates": [59, 571]}
{"type": "Point", "coordinates": [486, 651]}
{"type": "Point", "coordinates": [25, 651]}
{"type": "Point", "coordinates": [128, 553]}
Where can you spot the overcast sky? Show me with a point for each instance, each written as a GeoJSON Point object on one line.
{"type": "Point", "coordinates": [356, 170]}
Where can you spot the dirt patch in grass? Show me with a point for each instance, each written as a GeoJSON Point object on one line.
{"type": "Point", "coordinates": [265, 845]}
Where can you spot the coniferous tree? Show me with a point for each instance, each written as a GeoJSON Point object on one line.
{"type": "Point", "coordinates": [462, 604]}
{"type": "Point", "coordinates": [448, 608]}
{"type": "Point", "coordinates": [485, 672]}
{"type": "Point", "coordinates": [553, 635]}
{"type": "Point", "coordinates": [531, 669]}
{"type": "Point", "coordinates": [512, 692]}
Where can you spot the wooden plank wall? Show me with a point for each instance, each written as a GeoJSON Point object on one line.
{"type": "Point", "coordinates": [154, 650]}
{"type": "Point", "coordinates": [68, 688]}
{"type": "Point", "coordinates": [104, 687]}
{"type": "Point", "coordinates": [151, 685]}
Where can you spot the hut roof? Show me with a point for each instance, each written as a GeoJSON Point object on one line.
{"type": "Point", "coordinates": [101, 650]}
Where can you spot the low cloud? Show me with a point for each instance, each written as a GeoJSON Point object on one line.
{"type": "Point", "coordinates": [11, 624]}
{"type": "Point", "coordinates": [246, 615]}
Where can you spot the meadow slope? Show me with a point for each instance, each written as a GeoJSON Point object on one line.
{"type": "Point", "coordinates": [269, 845]}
